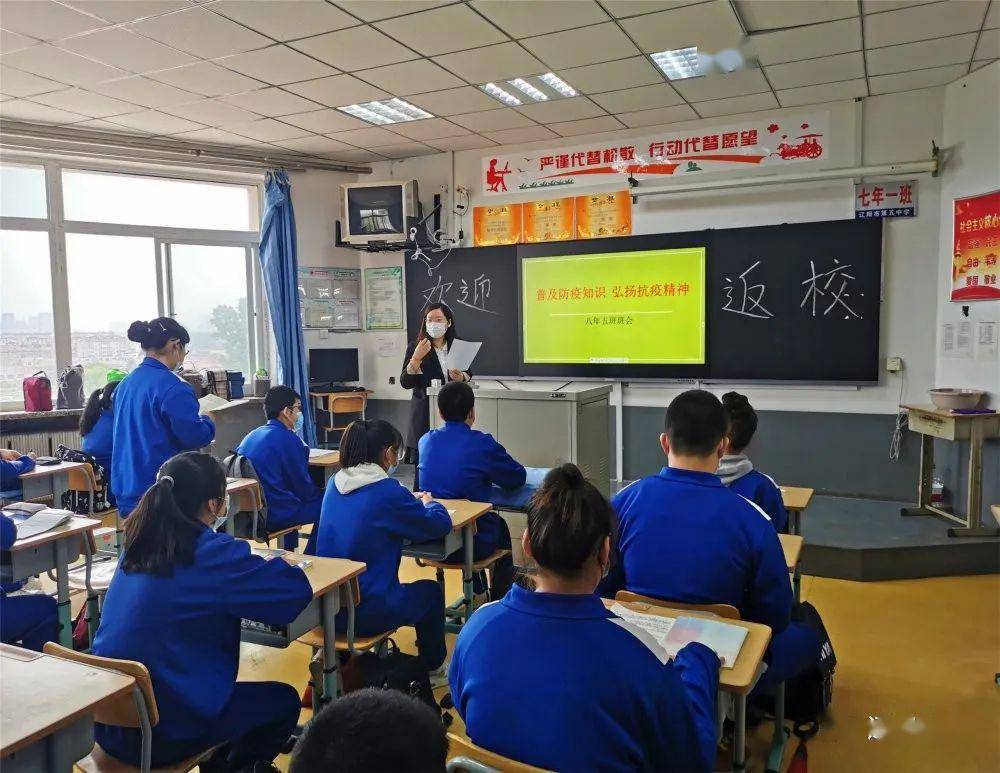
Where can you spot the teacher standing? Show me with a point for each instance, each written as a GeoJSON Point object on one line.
{"type": "Point", "coordinates": [426, 361]}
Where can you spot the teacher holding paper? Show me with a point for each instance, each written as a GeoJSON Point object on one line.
{"type": "Point", "coordinates": [426, 362]}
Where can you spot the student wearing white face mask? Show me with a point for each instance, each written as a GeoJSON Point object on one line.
{"type": "Point", "coordinates": [175, 605]}
{"type": "Point", "coordinates": [426, 361]}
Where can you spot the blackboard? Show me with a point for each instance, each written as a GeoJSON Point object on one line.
{"type": "Point", "coordinates": [796, 302]}
{"type": "Point", "coordinates": [480, 286]}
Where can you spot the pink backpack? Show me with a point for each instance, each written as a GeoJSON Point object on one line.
{"type": "Point", "coordinates": [37, 393]}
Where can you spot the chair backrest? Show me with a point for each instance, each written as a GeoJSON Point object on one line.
{"type": "Point", "coordinates": [81, 478]}
{"type": "Point", "coordinates": [727, 611]}
{"type": "Point", "coordinates": [348, 403]}
{"type": "Point", "coordinates": [121, 712]}
{"type": "Point", "coordinates": [460, 748]}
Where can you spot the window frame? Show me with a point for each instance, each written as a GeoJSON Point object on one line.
{"type": "Point", "coordinates": [57, 227]}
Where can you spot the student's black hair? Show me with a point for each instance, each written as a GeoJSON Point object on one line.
{"type": "Point", "coordinates": [161, 532]}
{"type": "Point", "coordinates": [364, 441]}
{"type": "Point", "coordinates": [98, 402]}
{"type": "Point", "coordinates": [742, 420]}
{"type": "Point", "coordinates": [157, 333]}
{"type": "Point", "coordinates": [449, 315]}
{"type": "Point", "coordinates": [568, 521]}
{"type": "Point", "coordinates": [278, 398]}
{"type": "Point", "coordinates": [696, 422]}
{"type": "Point", "coordinates": [372, 730]}
{"type": "Point", "coordinates": [455, 400]}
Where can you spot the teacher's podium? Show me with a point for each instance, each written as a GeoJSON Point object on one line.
{"type": "Point", "coordinates": [547, 427]}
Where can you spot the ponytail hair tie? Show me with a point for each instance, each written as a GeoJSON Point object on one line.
{"type": "Point", "coordinates": [167, 479]}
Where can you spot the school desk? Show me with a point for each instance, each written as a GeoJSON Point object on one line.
{"type": "Point", "coordinates": [328, 464]}
{"type": "Point", "coordinates": [52, 480]}
{"type": "Point", "coordinates": [464, 515]}
{"type": "Point", "coordinates": [330, 579]}
{"type": "Point", "coordinates": [930, 423]}
{"type": "Point", "coordinates": [47, 709]}
{"type": "Point", "coordinates": [796, 500]}
{"type": "Point", "coordinates": [738, 680]}
{"type": "Point", "coordinates": [244, 496]}
{"type": "Point", "coordinates": [791, 546]}
{"type": "Point", "coordinates": [54, 549]}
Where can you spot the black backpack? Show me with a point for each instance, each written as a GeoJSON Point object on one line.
{"type": "Point", "coordinates": [79, 501]}
{"type": "Point", "coordinates": [392, 670]}
{"type": "Point", "coordinates": [808, 694]}
{"type": "Point", "coordinates": [71, 388]}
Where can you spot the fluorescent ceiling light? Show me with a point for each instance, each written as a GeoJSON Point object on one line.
{"type": "Point", "coordinates": [554, 81]}
{"type": "Point", "coordinates": [679, 63]}
{"type": "Point", "coordinates": [522, 85]}
{"type": "Point", "coordinates": [386, 111]}
{"type": "Point", "coordinates": [498, 93]}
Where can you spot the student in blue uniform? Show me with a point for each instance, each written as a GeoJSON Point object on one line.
{"type": "Point", "coordinates": [155, 413]}
{"type": "Point", "coordinates": [552, 678]}
{"type": "Point", "coordinates": [458, 462]}
{"type": "Point", "coordinates": [683, 536]}
{"type": "Point", "coordinates": [366, 517]}
{"type": "Point", "coordinates": [175, 605]}
{"type": "Point", "coordinates": [13, 464]}
{"type": "Point", "coordinates": [281, 461]}
{"type": "Point", "coordinates": [29, 620]}
{"type": "Point", "coordinates": [97, 426]}
{"type": "Point", "coordinates": [735, 468]}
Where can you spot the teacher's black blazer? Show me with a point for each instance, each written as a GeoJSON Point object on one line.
{"type": "Point", "coordinates": [430, 369]}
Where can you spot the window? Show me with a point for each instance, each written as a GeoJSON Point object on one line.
{"type": "Point", "coordinates": [27, 343]}
{"type": "Point", "coordinates": [112, 281]}
{"type": "Point", "coordinates": [155, 201]}
{"type": "Point", "coordinates": [127, 247]}
{"type": "Point", "coordinates": [210, 300]}
{"type": "Point", "coordinates": [22, 191]}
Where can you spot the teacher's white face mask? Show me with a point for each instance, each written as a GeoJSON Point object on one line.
{"type": "Point", "coordinates": [437, 329]}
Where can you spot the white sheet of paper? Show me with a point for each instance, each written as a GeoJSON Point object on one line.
{"type": "Point", "coordinates": [656, 626]}
{"type": "Point", "coordinates": [986, 341]}
{"type": "Point", "coordinates": [314, 452]}
{"type": "Point", "coordinates": [963, 339]}
{"type": "Point", "coordinates": [462, 353]}
{"type": "Point", "coordinates": [210, 403]}
{"type": "Point", "coordinates": [947, 339]}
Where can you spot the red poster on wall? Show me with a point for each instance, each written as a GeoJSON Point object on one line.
{"type": "Point", "coordinates": [975, 247]}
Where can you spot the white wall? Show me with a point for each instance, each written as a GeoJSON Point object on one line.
{"type": "Point", "coordinates": [972, 140]}
{"type": "Point", "coordinates": [898, 127]}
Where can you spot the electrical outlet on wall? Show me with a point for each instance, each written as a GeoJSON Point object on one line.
{"type": "Point", "coordinates": [893, 364]}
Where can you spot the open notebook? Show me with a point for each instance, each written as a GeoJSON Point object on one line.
{"type": "Point", "coordinates": [673, 633]}
{"type": "Point", "coordinates": [32, 524]}
{"type": "Point", "coordinates": [294, 559]}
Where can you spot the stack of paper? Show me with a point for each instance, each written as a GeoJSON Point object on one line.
{"type": "Point", "coordinates": [314, 452]}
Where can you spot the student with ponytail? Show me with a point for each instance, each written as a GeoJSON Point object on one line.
{"type": "Point", "coordinates": [735, 468]}
{"type": "Point", "coordinates": [602, 694]}
{"type": "Point", "coordinates": [97, 424]}
{"type": "Point", "coordinates": [175, 605]}
{"type": "Point", "coordinates": [367, 516]}
{"type": "Point", "coordinates": [156, 413]}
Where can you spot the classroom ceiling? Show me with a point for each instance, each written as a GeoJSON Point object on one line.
{"type": "Point", "coordinates": [270, 74]}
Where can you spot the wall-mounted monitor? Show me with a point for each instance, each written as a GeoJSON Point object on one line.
{"type": "Point", "coordinates": [377, 212]}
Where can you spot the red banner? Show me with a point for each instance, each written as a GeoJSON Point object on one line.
{"type": "Point", "coordinates": [976, 244]}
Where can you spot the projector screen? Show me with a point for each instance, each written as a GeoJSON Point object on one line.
{"type": "Point", "coordinates": [628, 308]}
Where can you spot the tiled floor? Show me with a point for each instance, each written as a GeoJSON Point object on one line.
{"type": "Point", "coordinates": [914, 688]}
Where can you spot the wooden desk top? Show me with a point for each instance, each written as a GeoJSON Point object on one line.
{"type": "Point", "coordinates": [45, 471]}
{"type": "Point", "coordinates": [796, 498]}
{"type": "Point", "coordinates": [791, 546]}
{"type": "Point", "coordinates": [330, 459]}
{"type": "Point", "coordinates": [946, 414]}
{"type": "Point", "coordinates": [42, 693]}
{"type": "Point", "coordinates": [327, 573]}
{"type": "Point", "coordinates": [77, 525]}
{"type": "Point", "coordinates": [241, 484]}
{"type": "Point", "coordinates": [740, 678]}
{"type": "Point", "coordinates": [465, 511]}
{"type": "Point", "coordinates": [365, 392]}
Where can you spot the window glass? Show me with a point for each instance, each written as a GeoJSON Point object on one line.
{"type": "Point", "coordinates": [156, 201]}
{"type": "Point", "coordinates": [210, 301]}
{"type": "Point", "coordinates": [112, 282]}
{"type": "Point", "coordinates": [22, 191]}
{"type": "Point", "coordinates": [27, 343]}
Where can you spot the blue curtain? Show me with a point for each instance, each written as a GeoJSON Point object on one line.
{"type": "Point", "coordinates": [279, 265]}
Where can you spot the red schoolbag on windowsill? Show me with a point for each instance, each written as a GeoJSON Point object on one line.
{"type": "Point", "coordinates": [37, 393]}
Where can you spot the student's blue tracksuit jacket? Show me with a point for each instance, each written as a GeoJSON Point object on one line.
{"type": "Point", "coordinates": [31, 619]}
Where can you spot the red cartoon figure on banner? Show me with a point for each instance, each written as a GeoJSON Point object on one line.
{"type": "Point", "coordinates": [494, 176]}
{"type": "Point", "coordinates": [808, 148]}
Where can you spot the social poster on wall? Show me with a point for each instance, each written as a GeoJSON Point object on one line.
{"type": "Point", "coordinates": [330, 297]}
{"type": "Point", "coordinates": [975, 247]}
{"type": "Point", "coordinates": [769, 140]}
{"type": "Point", "coordinates": [384, 298]}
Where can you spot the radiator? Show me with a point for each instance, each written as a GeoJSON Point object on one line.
{"type": "Point", "coordinates": [42, 443]}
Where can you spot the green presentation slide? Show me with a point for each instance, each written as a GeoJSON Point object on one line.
{"type": "Point", "coordinates": [632, 308]}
